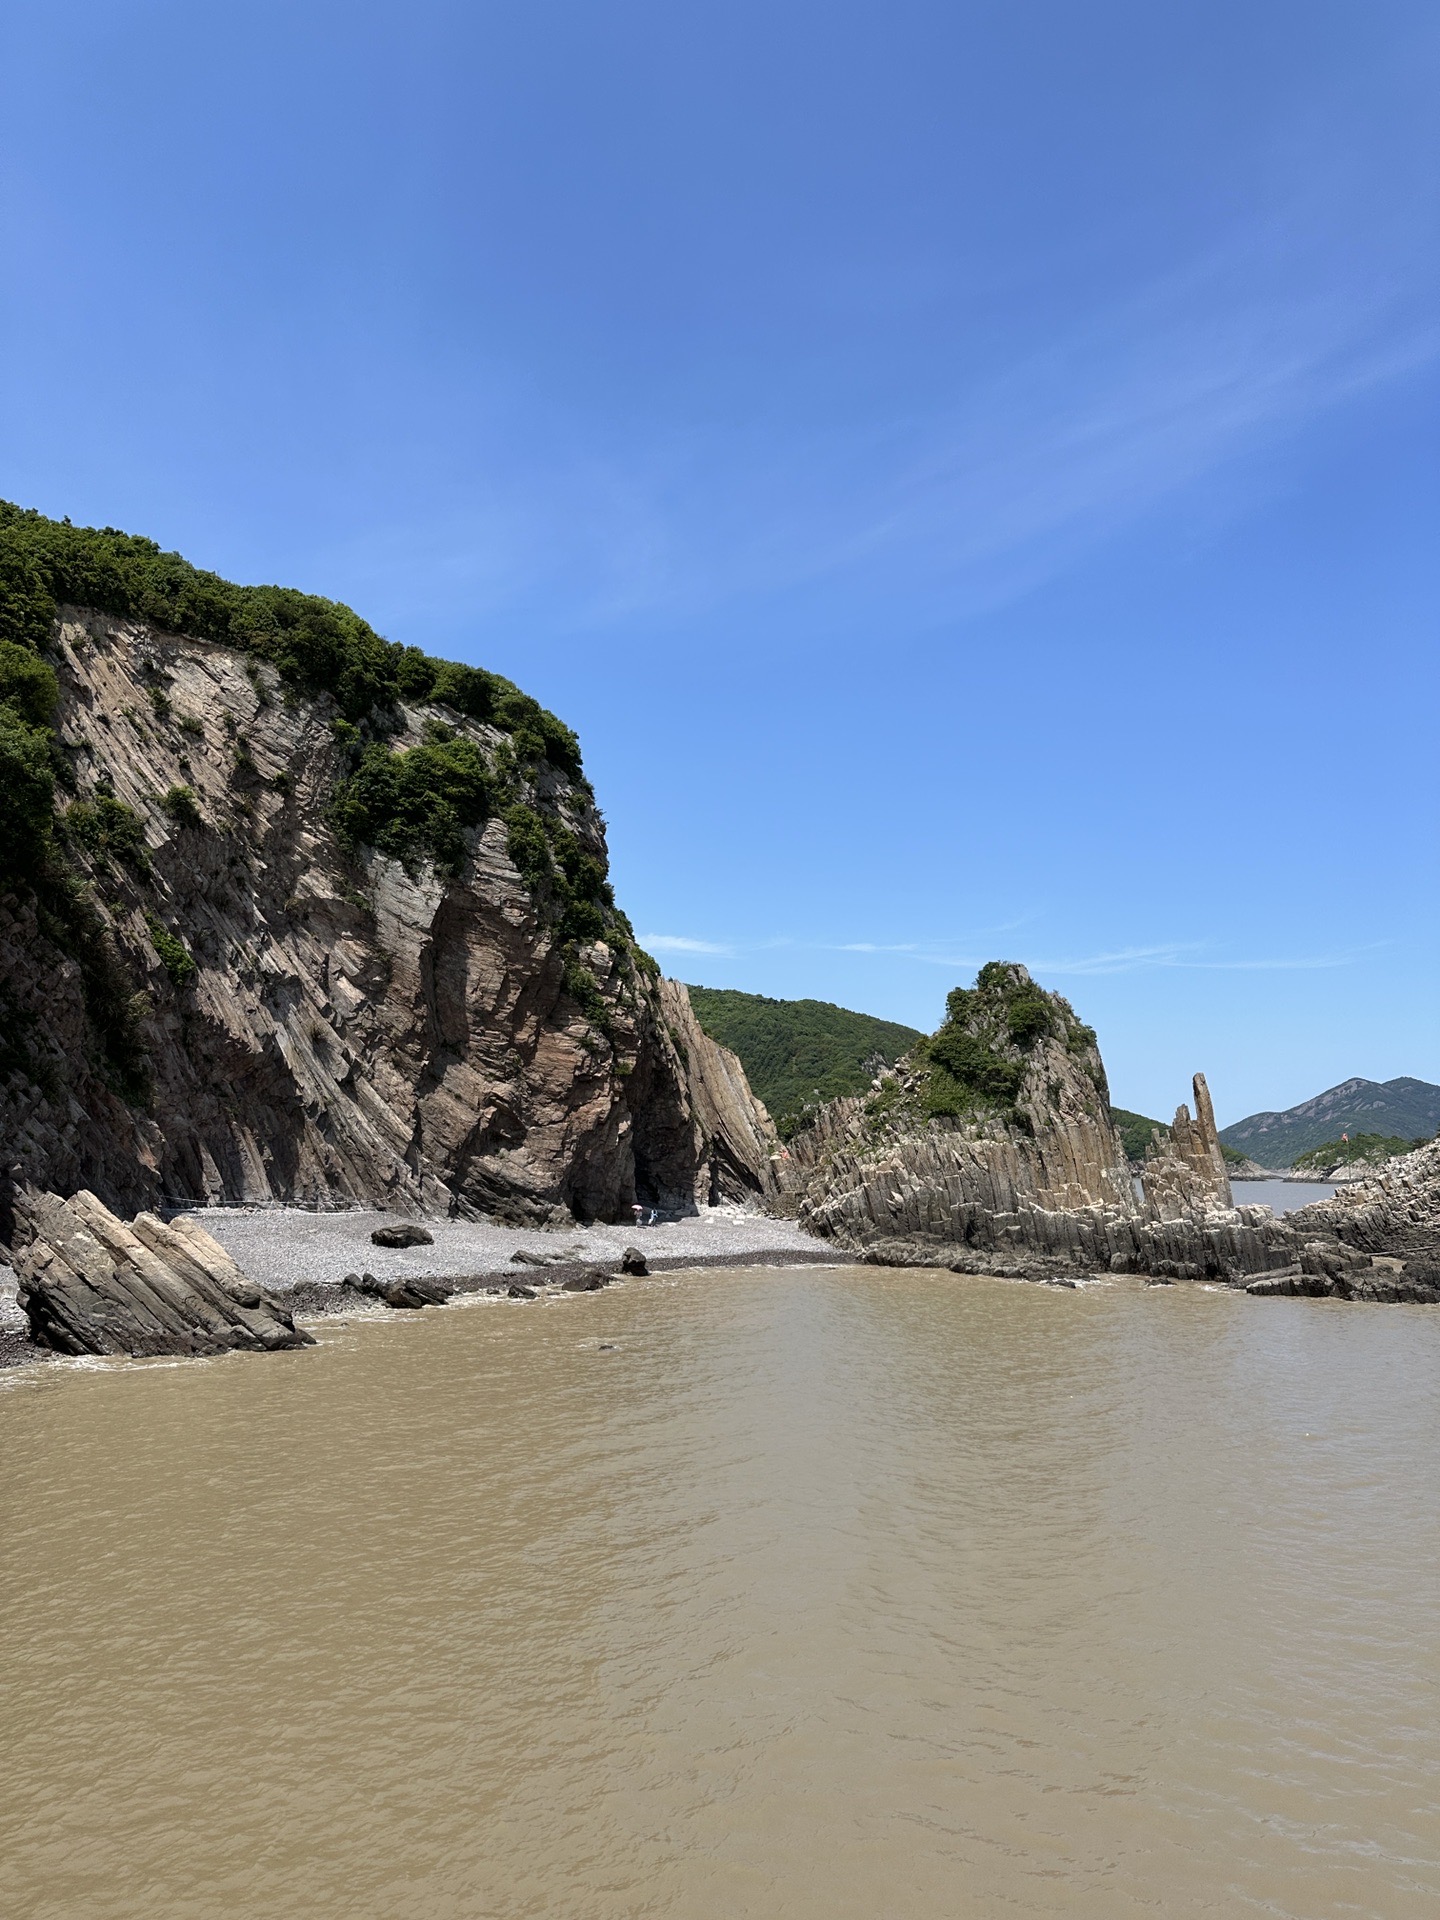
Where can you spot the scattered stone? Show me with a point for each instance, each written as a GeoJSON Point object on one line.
{"type": "Point", "coordinates": [408, 1235]}
{"type": "Point", "coordinates": [633, 1262]}
{"type": "Point", "coordinates": [545, 1256]}
{"type": "Point", "coordinates": [517, 1292]}
{"type": "Point", "coordinates": [90, 1283]}
{"type": "Point", "coordinates": [591, 1281]}
{"type": "Point", "coordinates": [408, 1291]}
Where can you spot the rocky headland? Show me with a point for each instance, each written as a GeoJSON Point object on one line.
{"type": "Point", "coordinates": [991, 1148]}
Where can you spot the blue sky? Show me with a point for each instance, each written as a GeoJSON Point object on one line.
{"type": "Point", "coordinates": [968, 471]}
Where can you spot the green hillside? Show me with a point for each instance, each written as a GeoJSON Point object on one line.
{"type": "Point", "coordinates": [1405, 1109]}
{"type": "Point", "coordinates": [1136, 1131]}
{"type": "Point", "coordinates": [796, 1052]}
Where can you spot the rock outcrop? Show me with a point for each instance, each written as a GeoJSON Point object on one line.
{"type": "Point", "coordinates": [91, 1284]}
{"type": "Point", "coordinates": [243, 1007]}
{"type": "Point", "coordinates": [1184, 1171]}
{"type": "Point", "coordinates": [991, 1148]}
{"type": "Point", "coordinates": [1395, 1211]}
{"type": "Point", "coordinates": [993, 1135]}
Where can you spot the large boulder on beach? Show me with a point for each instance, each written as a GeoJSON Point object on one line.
{"type": "Point", "coordinates": [91, 1283]}
{"type": "Point", "coordinates": [405, 1235]}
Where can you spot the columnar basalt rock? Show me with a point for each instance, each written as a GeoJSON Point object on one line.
{"type": "Point", "coordinates": [1021, 1172]}
{"type": "Point", "coordinates": [323, 1023]}
{"type": "Point", "coordinates": [1186, 1172]}
{"type": "Point", "coordinates": [91, 1284]}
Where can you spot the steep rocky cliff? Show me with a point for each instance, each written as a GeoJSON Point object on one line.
{"type": "Point", "coordinates": [266, 952]}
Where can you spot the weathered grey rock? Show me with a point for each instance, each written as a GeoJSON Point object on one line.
{"type": "Point", "coordinates": [1185, 1172]}
{"type": "Point", "coordinates": [1415, 1285]}
{"type": "Point", "coordinates": [633, 1262]}
{"type": "Point", "coordinates": [590, 1281]}
{"type": "Point", "coordinates": [353, 1031]}
{"type": "Point", "coordinates": [715, 1143]}
{"type": "Point", "coordinates": [1038, 1188]}
{"type": "Point", "coordinates": [516, 1292]}
{"type": "Point", "coordinates": [406, 1291]}
{"type": "Point", "coordinates": [90, 1283]}
{"type": "Point", "coordinates": [408, 1235]}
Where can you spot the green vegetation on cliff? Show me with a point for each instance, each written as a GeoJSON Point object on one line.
{"type": "Point", "coordinates": [798, 1052]}
{"type": "Point", "coordinates": [977, 1058]}
{"type": "Point", "coordinates": [1136, 1131]}
{"type": "Point", "coordinates": [316, 645]}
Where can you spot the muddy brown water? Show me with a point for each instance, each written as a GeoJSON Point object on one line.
{"type": "Point", "coordinates": [824, 1593]}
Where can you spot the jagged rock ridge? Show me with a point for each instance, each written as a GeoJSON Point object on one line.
{"type": "Point", "coordinates": [992, 1148]}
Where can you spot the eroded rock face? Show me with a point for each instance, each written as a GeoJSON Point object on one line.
{"type": "Point", "coordinates": [350, 1031]}
{"type": "Point", "coordinates": [697, 1126]}
{"type": "Point", "coordinates": [985, 1161]}
{"type": "Point", "coordinates": [89, 1283]}
{"type": "Point", "coordinates": [1029, 1178]}
{"type": "Point", "coordinates": [1186, 1173]}
{"type": "Point", "coordinates": [1396, 1210]}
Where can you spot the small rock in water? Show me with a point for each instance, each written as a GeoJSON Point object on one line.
{"type": "Point", "coordinates": [517, 1292]}
{"type": "Point", "coordinates": [407, 1235]}
{"type": "Point", "coordinates": [589, 1282]}
{"type": "Point", "coordinates": [408, 1292]}
{"type": "Point", "coordinates": [633, 1261]}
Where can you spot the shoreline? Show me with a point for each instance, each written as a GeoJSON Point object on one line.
{"type": "Point", "coordinates": [302, 1258]}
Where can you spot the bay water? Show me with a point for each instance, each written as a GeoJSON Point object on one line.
{"type": "Point", "coordinates": [810, 1592]}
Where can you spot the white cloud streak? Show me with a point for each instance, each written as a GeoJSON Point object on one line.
{"type": "Point", "coordinates": [680, 943]}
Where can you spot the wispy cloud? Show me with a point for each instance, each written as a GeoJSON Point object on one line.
{"type": "Point", "coordinates": [1187, 955]}
{"type": "Point", "coordinates": [680, 943]}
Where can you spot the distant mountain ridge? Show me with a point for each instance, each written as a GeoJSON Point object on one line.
{"type": "Point", "coordinates": [1407, 1107]}
{"type": "Point", "coordinates": [798, 1052]}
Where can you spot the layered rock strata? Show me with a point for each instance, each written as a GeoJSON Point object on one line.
{"type": "Point", "coordinates": [1396, 1210]}
{"type": "Point", "coordinates": [90, 1284]}
{"type": "Point", "coordinates": [308, 1020]}
{"type": "Point", "coordinates": [992, 1149]}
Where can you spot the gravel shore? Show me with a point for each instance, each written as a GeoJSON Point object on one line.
{"type": "Point", "coordinates": [303, 1256]}
{"type": "Point", "coordinates": [283, 1247]}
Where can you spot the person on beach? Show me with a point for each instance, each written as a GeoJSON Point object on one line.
{"type": "Point", "coordinates": [639, 1213]}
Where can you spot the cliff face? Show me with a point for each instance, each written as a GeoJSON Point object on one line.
{"type": "Point", "coordinates": [1005, 1109]}
{"type": "Point", "coordinates": [232, 1005]}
